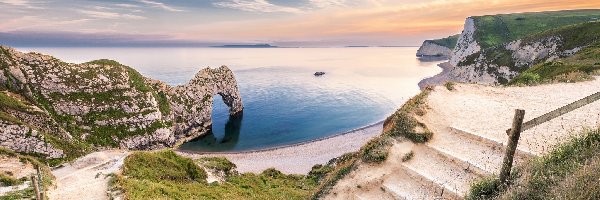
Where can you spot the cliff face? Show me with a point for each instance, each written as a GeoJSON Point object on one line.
{"type": "Point", "coordinates": [103, 104]}
{"type": "Point", "coordinates": [499, 64]}
{"type": "Point", "coordinates": [428, 48]}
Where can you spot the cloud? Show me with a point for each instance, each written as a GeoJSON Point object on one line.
{"type": "Point", "coordinates": [327, 3]}
{"type": "Point", "coordinates": [160, 5]}
{"type": "Point", "coordinates": [126, 5]}
{"type": "Point", "coordinates": [21, 3]}
{"type": "Point", "coordinates": [256, 6]}
{"type": "Point", "coordinates": [109, 15]}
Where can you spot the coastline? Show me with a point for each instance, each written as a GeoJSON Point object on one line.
{"type": "Point", "coordinates": [298, 158]}
{"type": "Point", "coordinates": [438, 79]}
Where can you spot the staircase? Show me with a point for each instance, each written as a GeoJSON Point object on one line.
{"type": "Point", "coordinates": [442, 168]}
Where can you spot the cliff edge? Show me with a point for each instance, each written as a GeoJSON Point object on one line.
{"type": "Point", "coordinates": [57, 109]}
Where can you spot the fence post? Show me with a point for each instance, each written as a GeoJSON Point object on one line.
{"type": "Point", "coordinates": [36, 189]}
{"type": "Point", "coordinates": [513, 140]}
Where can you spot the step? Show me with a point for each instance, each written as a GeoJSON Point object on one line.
{"type": "Point", "coordinates": [453, 175]}
{"type": "Point", "coordinates": [405, 186]}
{"type": "Point", "coordinates": [521, 152]}
{"type": "Point", "coordinates": [484, 157]}
{"type": "Point", "coordinates": [375, 195]}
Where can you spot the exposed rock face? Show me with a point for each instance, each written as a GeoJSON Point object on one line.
{"type": "Point", "coordinates": [21, 138]}
{"type": "Point", "coordinates": [500, 64]}
{"type": "Point", "coordinates": [105, 104]}
{"type": "Point", "coordinates": [466, 45]}
{"type": "Point", "coordinates": [428, 48]}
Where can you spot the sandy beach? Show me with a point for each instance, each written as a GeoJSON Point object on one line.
{"type": "Point", "coordinates": [298, 159]}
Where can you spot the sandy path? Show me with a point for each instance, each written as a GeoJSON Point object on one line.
{"type": "Point", "coordinates": [299, 159]}
{"type": "Point", "coordinates": [488, 111]}
{"type": "Point", "coordinates": [85, 178]}
{"type": "Point", "coordinates": [469, 126]}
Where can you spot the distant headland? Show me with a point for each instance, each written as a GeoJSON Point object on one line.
{"type": "Point", "coordinates": [246, 46]}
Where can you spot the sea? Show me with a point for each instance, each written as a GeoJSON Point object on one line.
{"type": "Point", "coordinates": [284, 102]}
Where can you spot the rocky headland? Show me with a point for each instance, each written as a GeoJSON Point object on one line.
{"type": "Point", "coordinates": [56, 109]}
{"type": "Point", "coordinates": [497, 49]}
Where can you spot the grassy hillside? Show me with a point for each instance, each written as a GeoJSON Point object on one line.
{"type": "Point", "coordinates": [578, 67]}
{"type": "Point", "coordinates": [494, 30]}
{"type": "Point", "coordinates": [571, 171]}
{"type": "Point", "coordinates": [164, 174]}
{"type": "Point", "coordinates": [449, 42]}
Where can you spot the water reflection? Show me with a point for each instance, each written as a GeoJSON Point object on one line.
{"type": "Point", "coordinates": [228, 141]}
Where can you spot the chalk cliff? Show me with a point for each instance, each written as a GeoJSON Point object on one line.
{"type": "Point", "coordinates": [485, 53]}
{"type": "Point", "coordinates": [429, 48]}
{"type": "Point", "coordinates": [66, 108]}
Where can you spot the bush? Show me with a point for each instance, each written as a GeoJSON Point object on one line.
{"type": "Point", "coordinates": [449, 85]}
{"type": "Point", "coordinates": [487, 188]}
{"type": "Point", "coordinates": [528, 78]}
{"type": "Point", "coordinates": [376, 150]}
{"type": "Point", "coordinates": [408, 156]}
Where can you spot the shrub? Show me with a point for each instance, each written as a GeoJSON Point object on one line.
{"type": "Point", "coordinates": [376, 150]}
{"type": "Point", "coordinates": [408, 156]}
{"type": "Point", "coordinates": [449, 85]}
{"type": "Point", "coordinates": [528, 78]}
{"type": "Point", "coordinates": [486, 188]}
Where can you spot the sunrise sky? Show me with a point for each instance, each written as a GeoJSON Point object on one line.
{"type": "Point", "coordinates": [279, 22]}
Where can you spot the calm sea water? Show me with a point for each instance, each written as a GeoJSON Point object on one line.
{"type": "Point", "coordinates": [284, 102]}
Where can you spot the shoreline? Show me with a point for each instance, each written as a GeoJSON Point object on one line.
{"type": "Point", "coordinates": [285, 146]}
{"type": "Point", "coordinates": [438, 79]}
{"type": "Point", "coordinates": [298, 158]}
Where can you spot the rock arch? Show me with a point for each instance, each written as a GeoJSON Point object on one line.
{"type": "Point", "coordinates": [192, 103]}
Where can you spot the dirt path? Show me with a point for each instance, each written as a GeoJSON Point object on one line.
{"type": "Point", "coordinates": [469, 138]}
{"type": "Point", "coordinates": [86, 177]}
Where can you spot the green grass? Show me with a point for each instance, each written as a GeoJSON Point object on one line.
{"type": "Point", "coordinates": [449, 42]}
{"type": "Point", "coordinates": [9, 102]}
{"type": "Point", "coordinates": [579, 67]}
{"type": "Point", "coordinates": [570, 171]}
{"type": "Point", "coordinates": [401, 124]}
{"type": "Point", "coordinates": [165, 175]}
{"type": "Point", "coordinates": [47, 176]}
{"type": "Point", "coordinates": [499, 29]}
{"type": "Point", "coordinates": [218, 163]}
{"type": "Point", "coordinates": [7, 180]}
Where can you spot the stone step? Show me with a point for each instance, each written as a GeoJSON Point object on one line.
{"type": "Point", "coordinates": [433, 166]}
{"type": "Point", "coordinates": [404, 185]}
{"type": "Point", "coordinates": [377, 194]}
{"type": "Point", "coordinates": [489, 141]}
{"type": "Point", "coordinates": [484, 157]}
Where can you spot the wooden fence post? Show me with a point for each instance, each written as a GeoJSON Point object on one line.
{"type": "Point", "coordinates": [36, 189]}
{"type": "Point", "coordinates": [513, 140]}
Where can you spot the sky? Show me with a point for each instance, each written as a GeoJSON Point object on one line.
{"type": "Point", "coordinates": [277, 22]}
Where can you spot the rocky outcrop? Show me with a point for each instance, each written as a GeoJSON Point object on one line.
{"type": "Point", "coordinates": [499, 64]}
{"type": "Point", "coordinates": [105, 104]}
{"type": "Point", "coordinates": [21, 138]}
{"type": "Point", "coordinates": [428, 48]}
{"type": "Point", "coordinates": [466, 44]}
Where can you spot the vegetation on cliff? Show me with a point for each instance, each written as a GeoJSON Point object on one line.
{"type": "Point", "coordinates": [9, 179]}
{"type": "Point", "coordinates": [570, 171]}
{"type": "Point", "coordinates": [449, 42]}
{"type": "Point", "coordinates": [494, 30]}
{"type": "Point", "coordinates": [579, 67]}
